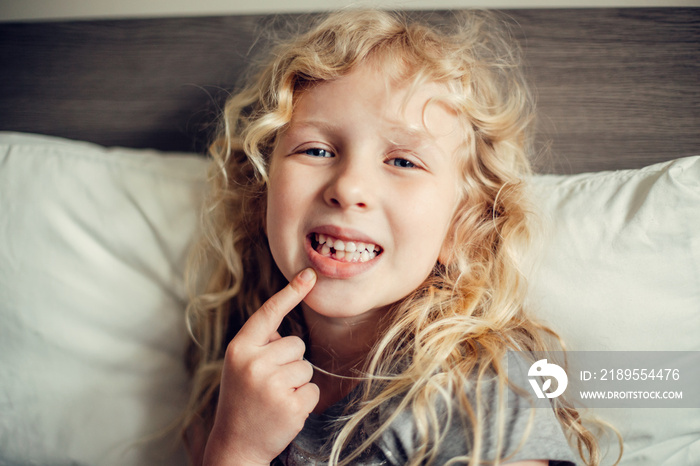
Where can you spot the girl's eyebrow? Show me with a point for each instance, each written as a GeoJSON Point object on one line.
{"type": "Point", "coordinates": [313, 123]}
{"type": "Point", "coordinates": [399, 134]}
{"type": "Point", "coordinates": [403, 134]}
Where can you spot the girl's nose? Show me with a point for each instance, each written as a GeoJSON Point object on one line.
{"type": "Point", "coordinates": [350, 187]}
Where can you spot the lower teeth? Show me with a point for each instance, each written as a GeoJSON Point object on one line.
{"type": "Point", "coordinates": [344, 256]}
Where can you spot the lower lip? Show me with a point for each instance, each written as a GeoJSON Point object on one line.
{"type": "Point", "coordinates": [331, 268]}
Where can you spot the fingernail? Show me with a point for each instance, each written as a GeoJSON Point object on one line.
{"type": "Point", "coordinates": [307, 275]}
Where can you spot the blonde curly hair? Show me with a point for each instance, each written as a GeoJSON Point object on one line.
{"type": "Point", "coordinates": [469, 312]}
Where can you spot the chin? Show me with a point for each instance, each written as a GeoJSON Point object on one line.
{"type": "Point", "coordinates": [336, 305]}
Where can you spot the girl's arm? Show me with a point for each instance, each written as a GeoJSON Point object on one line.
{"type": "Point", "coordinates": [265, 394]}
{"type": "Point", "coordinates": [529, 463]}
{"type": "Point", "coordinates": [195, 441]}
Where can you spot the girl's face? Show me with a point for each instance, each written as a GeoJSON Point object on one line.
{"type": "Point", "coordinates": [363, 185]}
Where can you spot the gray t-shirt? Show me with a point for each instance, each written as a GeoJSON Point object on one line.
{"type": "Point", "coordinates": [546, 440]}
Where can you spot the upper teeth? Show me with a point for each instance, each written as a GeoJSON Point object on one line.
{"type": "Point", "coordinates": [347, 246]}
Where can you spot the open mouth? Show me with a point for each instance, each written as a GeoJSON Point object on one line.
{"type": "Point", "coordinates": [343, 250]}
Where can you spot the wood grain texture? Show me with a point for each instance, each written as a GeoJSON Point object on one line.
{"type": "Point", "coordinates": [617, 88]}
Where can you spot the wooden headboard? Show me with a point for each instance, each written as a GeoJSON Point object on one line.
{"type": "Point", "coordinates": [617, 88]}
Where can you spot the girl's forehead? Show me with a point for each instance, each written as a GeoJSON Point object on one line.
{"type": "Point", "coordinates": [409, 103]}
{"type": "Point", "coordinates": [367, 105]}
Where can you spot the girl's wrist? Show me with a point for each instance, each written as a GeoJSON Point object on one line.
{"type": "Point", "coordinates": [226, 459]}
{"type": "Point", "coordinates": [218, 454]}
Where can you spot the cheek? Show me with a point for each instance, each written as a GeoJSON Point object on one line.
{"type": "Point", "coordinates": [280, 198]}
{"type": "Point", "coordinates": [277, 204]}
{"type": "Point", "coordinates": [420, 231]}
{"type": "Point", "coordinates": [439, 234]}
{"type": "Point", "coordinates": [286, 209]}
{"type": "Point", "coordinates": [276, 237]}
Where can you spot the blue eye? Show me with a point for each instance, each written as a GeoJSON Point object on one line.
{"type": "Point", "coordinates": [401, 163]}
{"type": "Point", "coordinates": [316, 152]}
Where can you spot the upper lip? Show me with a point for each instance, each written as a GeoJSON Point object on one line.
{"type": "Point", "coordinates": [344, 234]}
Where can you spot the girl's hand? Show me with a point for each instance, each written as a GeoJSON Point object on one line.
{"type": "Point", "coordinates": [266, 394]}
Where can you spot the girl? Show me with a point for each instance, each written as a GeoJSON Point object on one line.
{"type": "Point", "coordinates": [376, 165]}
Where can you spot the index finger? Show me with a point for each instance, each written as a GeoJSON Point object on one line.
{"type": "Point", "coordinates": [263, 324]}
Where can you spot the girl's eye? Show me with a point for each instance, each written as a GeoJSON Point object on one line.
{"type": "Point", "coordinates": [401, 163]}
{"type": "Point", "coordinates": [316, 152]}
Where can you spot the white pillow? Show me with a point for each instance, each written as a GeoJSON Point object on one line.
{"type": "Point", "coordinates": [620, 271]}
{"type": "Point", "coordinates": [92, 246]}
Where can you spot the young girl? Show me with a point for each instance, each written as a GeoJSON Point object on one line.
{"type": "Point", "coordinates": [376, 165]}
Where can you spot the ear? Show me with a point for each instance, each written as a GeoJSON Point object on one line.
{"type": "Point", "coordinates": [445, 253]}
{"type": "Point", "coordinates": [265, 207]}
{"type": "Point", "coordinates": [448, 244]}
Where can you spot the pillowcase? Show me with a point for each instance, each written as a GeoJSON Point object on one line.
{"type": "Point", "coordinates": [92, 249]}
{"type": "Point", "coordinates": [619, 270]}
